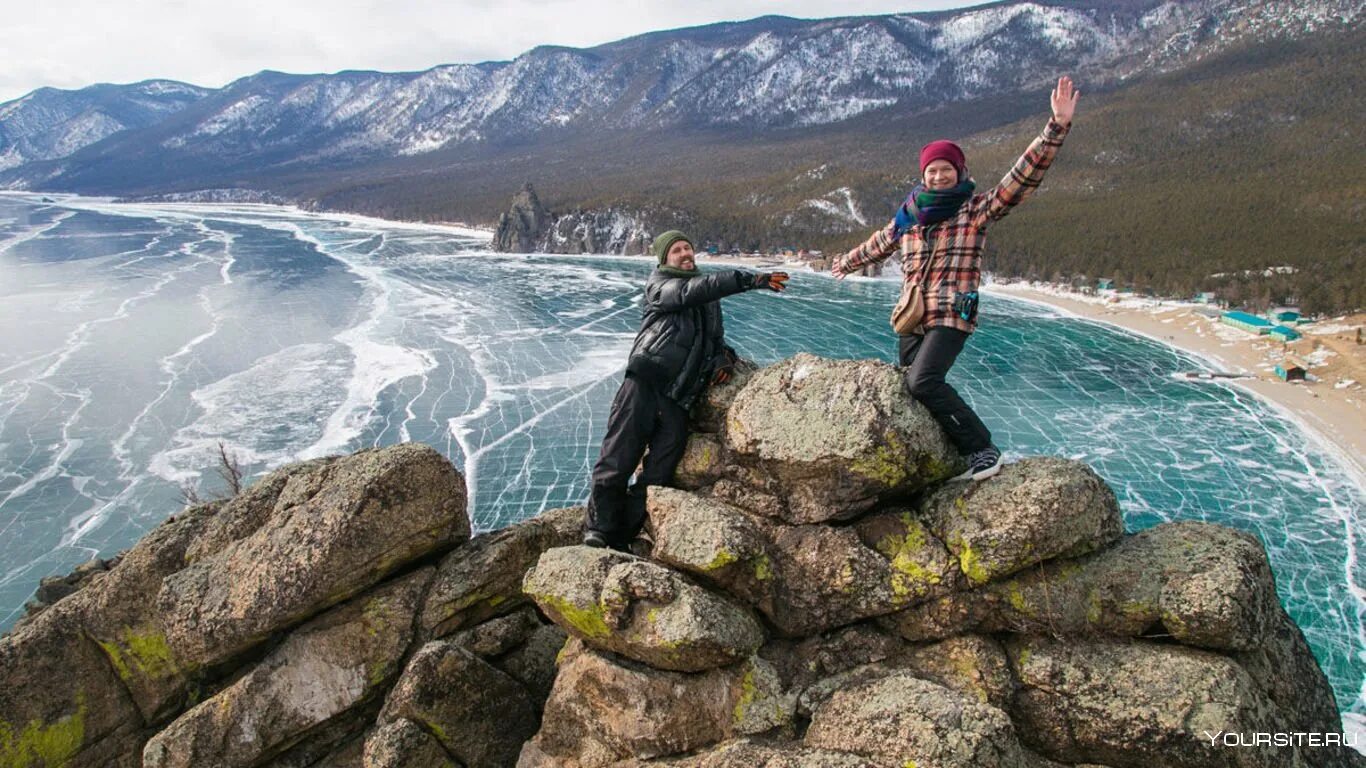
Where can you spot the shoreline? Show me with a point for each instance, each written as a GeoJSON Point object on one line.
{"type": "Point", "coordinates": [1336, 418]}
{"type": "Point", "coordinates": [1333, 416]}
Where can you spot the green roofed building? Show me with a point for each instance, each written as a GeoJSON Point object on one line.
{"type": "Point", "coordinates": [1284, 334]}
{"type": "Point", "coordinates": [1246, 322]}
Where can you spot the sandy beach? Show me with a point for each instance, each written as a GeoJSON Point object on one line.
{"type": "Point", "coordinates": [1332, 405]}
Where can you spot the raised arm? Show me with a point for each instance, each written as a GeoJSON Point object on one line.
{"type": "Point", "coordinates": [1028, 171]}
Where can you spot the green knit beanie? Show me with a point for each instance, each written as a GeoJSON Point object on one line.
{"type": "Point", "coordinates": [666, 241]}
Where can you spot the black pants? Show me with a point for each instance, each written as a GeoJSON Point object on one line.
{"type": "Point", "coordinates": [927, 360]}
{"type": "Point", "coordinates": [641, 418]}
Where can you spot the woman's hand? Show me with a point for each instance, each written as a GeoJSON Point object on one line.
{"type": "Point", "coordinates": [1064, 100]}
{"type": "Point", "coordinates": [836, 271]}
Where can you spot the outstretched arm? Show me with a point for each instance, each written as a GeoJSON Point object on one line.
{"type": "Point", "coordinates": [1028, 171]}
{"type": "Point", "coordinates": [680, 293]}
{"type": "Point", "coordinates": [874, 249]}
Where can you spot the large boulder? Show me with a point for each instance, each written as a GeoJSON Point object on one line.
{"type": "Point", "coordinates": [519, 645]}
{"type": "Point", "coordinates": [899, 719]}
{"type": "Point", "coordinates": [921, 567]}
{"type": "Point", "coordinates": [533, 662]}
{"type": "Point", "coordinates": [805, 579]}
{"type": "Point", "coordinates": [704, 461]}
{"type": "Point", "coordinates": [1129, 703]}
{"type": "Point", "coordinates": [483, 578]}
{"type": "Point", "coordinates": [975, 665]}
{"type": "Point", "coordinates": [477, 712]}
{"type": "Point", "coordinates": [1034, 510]}
{"type": "Point", "coordinates": [642, 610]}
{"type": "Point", "coordinates": [713, 540]}
{"type": "Point", "coordinates": [1285, 670]}
{"type": "Point", "coordinates": [116, 613]}
{"type": "Point", "coordinates": [709, 413]}
{"type": "Point", "coordinates": [245, 513]}
{"type": "Point", "coordinates": [802, 662]}
{"type": "Point", "coordinates": [605, 709]}
{"type": "Point", "coordinates": [824, 577]}
{"type": "Point", "coordinates": [61, 703]}
{"type": "Point", "coordinates": [404, 744]}
{"type": "Point", "coordinates": [833, 437]}
{"type": "Point", "coordinates": [1200, 584]}
{"type": "Point", "coordinates": [330, 665]}
{"type": "Point", "coordinates": [352, 522]}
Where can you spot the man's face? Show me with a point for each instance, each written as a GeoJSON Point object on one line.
{"type": "Point", "coordinates": [680, 256]}
{"type": "Point", "coordinates": [940, 174]}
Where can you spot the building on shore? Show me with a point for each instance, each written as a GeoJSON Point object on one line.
{"type": "Point", "coordinates": [1284, 333]}
{"type": "Point", "coordinates": [1291, 369]}
{"type": "Point", "coordinates": [1246, 322]}
{"type": "Point", "coordinates": [1284, 314]}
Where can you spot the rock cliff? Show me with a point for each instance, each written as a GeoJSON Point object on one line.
{"type": "Point", "coordinates": [815, 593]}
{"type": "Point", "coordinates": [528, 227]}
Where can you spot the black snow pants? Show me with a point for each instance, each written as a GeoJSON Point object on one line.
{"type": "Point", "coordinates": [642, 417]}
{"type": "Point", "coordinates": [926, 360]}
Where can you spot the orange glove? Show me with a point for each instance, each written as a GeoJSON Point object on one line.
{"type": "Point", "coordinates": [774, 281]}
{"type": "Point", "coordinates": [725, 371]}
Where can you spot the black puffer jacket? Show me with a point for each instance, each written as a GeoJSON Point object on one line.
{"type": "Point", "coordinates": [681, 341]}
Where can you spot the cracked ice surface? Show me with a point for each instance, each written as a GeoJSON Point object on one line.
{"type": "Point", "coordinates": [134, 337]}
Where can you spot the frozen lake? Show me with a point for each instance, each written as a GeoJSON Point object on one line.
{"type": "Point", "coordinates": [133, 338]}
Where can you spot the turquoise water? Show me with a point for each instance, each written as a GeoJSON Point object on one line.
{"type": "Point", "coordinates": [134, 338]}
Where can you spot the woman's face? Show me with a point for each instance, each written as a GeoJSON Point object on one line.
{"type": "Point", "coordinates": [940, 174]}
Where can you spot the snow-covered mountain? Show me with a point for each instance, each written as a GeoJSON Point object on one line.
{"type": "Point", "coordinates": [770, 73]}
{"type": "Point", "coordinates": [51, 123]}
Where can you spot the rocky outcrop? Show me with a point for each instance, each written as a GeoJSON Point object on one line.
{"type": "Point", "coordinates": [276, 628]}
{"type": "Point", "coordinates": [605, 709]}
{"type": "Point", "coordinates": [641, 610]}
{"type": "Point", "coordinates": [528, 227]}
{"type": "Point", "coordinates": [826, 440]}
{"type": "Point", "coordinates": [900, 719]}
{"type": "Point", "coordinates": [487, 580]}
{"type": "Point", "coordinates": [600, 230]}
{"type": "Point", "coordinates": [524, 225]}
{"type": "Point", "coordinates": [331, 532]}
{"type": "Point", "coordinates": [325, 668]}
{"type": "Point", "coordinates": [818, 598]}
{"type": "Point", "coordinates": [913, 621]}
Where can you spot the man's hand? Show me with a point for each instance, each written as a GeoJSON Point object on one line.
{"type": "Point", "coordinates": [725, 371]}
{"type": "Point", "coordinates": [835, 270]}
{"type": "Point", "coordinates": [1064, 100]}
{"type": "Point", "coordinates": [774, 281]}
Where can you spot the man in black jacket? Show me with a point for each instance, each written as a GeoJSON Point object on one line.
{"type": "Point", "coordinates": [680, 350]}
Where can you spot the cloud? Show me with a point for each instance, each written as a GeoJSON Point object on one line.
{"type": "Point", "coordinates": [77, 43]}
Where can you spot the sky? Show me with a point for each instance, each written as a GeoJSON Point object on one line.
{"type": "Point", "coordinates": [75, 43]}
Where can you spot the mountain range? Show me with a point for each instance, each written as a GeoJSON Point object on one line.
{"type": "Point", "coordinates": [757, 134]}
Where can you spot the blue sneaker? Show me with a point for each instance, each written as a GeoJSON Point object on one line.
{"type": "Point", "coordinates": [982, 464]}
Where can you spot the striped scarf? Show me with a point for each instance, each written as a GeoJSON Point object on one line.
{"type": "Point", "coordinates": [926, 207]}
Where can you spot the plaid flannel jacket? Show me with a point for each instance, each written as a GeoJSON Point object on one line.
{"type": "Point", "coordinates": [950, 253]}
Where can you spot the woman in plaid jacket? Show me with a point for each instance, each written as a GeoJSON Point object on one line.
{"type": "Point", "coordinates": [941, 229]}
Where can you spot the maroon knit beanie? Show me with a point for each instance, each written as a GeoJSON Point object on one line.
{"type": "Point", "coordinates": [943, 150]}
